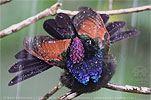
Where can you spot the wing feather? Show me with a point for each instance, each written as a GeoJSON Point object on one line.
{"type": "Point", "coordinates": [46, 49]}
{"type": "Point", "coordinates": [119, 36]}
{"type": "Point", "coordinates": [90, 23]}
{"type": "Point", "coordinates": [60, 28]}
{"type": "Point", "coordinates": [28, 74]}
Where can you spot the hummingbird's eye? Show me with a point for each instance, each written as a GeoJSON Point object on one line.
{"type": "Point", "coordinates": [89, 41]}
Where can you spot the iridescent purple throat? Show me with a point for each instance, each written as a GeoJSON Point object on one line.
{"type": "Point", "coordinates": [76, 51]}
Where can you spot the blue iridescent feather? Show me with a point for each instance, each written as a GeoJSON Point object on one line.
{"type": "Point", "coordinates": [87, 70]}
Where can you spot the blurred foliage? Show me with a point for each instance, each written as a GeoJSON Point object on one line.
{"type": "Point", "coordinates": [133, 56]}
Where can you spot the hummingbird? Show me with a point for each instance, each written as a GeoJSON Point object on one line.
{"type": "Point", "coordinates": [79, 45]}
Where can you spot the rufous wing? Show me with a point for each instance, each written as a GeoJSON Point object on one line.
{"type": "Point", "coordinates": [47, 50]}
{"type": "Point", "coordinates": [90, 23]}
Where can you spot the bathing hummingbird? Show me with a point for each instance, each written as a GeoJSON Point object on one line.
{"type": "Point", "coordinates": [78, 45]}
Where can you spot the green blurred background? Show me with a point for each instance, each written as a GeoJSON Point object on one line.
{"type": "Point", "coordinates": [133, 55]}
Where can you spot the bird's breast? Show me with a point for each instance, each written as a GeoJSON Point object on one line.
{"type": "Point", "coordinates": [86, 70]}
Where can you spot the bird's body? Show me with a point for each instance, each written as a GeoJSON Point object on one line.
{"type": "Point", "coordinates": [80, 46]}
{"type": "Point", "coordinates": [87, 67]}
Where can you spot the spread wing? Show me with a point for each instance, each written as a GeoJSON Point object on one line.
{"type": "Point", "coordinates": [39, 55]}
{"type": "Point", "coordinates": [61, 27]}
{"type": "Point", "coordinates": [47, 49]}
{"type": "Point", "coordinates": [90, 23]}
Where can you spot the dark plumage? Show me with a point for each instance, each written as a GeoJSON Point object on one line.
{"type": "Point", "coordinates": [108, 71]}
{"type": "Point", "coordinates": [80, 46]}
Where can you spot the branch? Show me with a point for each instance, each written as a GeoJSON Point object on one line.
{"type": "Point", "coordinates": [69, 96]}
{"type": "Point", "coordinates": [126, 11]}
{"type": "Point", "coordinates": [128, 88]}
{"type": "Point", "coordinates": [4, 2]}
{"type": "Point", "coordinates": [16, 27]}
{"type": "Point", "coordinates": [53, 91]}
{"type": "Point", "coordinates": [112, 12]}
{"type": "Point", "coordinates": [54, 10]}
